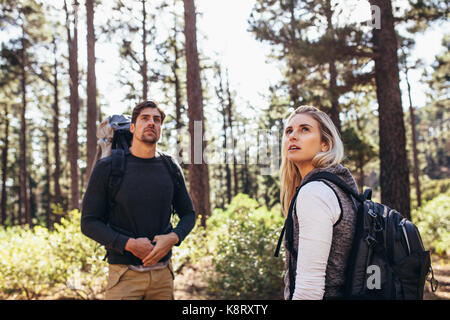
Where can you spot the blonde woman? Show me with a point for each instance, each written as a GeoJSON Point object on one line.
{"type": "Point", "coordinates": [321, 224]}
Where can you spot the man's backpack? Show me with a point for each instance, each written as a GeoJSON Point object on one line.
{"type": "Point", "coordinates": [114, 140]}
{"type": "Point", "coordinates": [388, 260]}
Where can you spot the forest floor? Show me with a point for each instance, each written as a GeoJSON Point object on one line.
{"type": "Point", "coordinates": [190, 285]}
{"type": "Point", "coordinates": [441, 268]}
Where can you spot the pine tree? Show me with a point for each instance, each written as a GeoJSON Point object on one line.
{"type": "Point", "coordinates": [198, 170]}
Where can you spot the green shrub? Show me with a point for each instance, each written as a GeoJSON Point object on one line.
{"type": "Point", "coordinates": [38, 262]}
{"type": "Point", "coordinates": [433, 221]}
{"type": "Point", "coordinates": [243, 239]}
{"type": "Point", "coordinates": [432, 188]}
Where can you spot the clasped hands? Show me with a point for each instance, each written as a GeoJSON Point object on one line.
{"type": "Point", "coordinates": [150, 254]}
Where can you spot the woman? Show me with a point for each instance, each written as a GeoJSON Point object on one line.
{"type": "Point", "coordinates": [323, 216]}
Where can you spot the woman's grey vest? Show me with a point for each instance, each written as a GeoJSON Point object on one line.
{"type": "Point", "coordinates": [343, 233]}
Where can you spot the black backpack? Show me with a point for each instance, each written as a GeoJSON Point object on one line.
{"type": "Point", "coordinates": [388, 260]}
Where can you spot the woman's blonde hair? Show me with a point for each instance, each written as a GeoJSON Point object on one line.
{"type": "Point", "coordinates": [290, 176]}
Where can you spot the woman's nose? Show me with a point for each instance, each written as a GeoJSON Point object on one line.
{"type": "Point", "coordinates": [292, 136]}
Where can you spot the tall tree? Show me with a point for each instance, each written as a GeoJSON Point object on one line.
{"type": "Point", "coordinates": [23, 175]}
{"type": "Point", "coordinates": [72, 139]}
{"type": "Point", "coordinates": [435, 117]}
{"type": "Point", "coordinates": [320, 66]}
{"type": "Point", "coordinates": [220, 92]}
{"type": "Point", "coordinates": [4, 163]}
{"type": "Point", "coordinates": [198, 170]}
{"type": "Point", "coordinates": [412, 119]}
{"type": "Point", "coordinates": [394, 171]}
{"type": "Point", "coordinates": [91, 90]}
{"type": "Point", "coordinates": [56, 144]}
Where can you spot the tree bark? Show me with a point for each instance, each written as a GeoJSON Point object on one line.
{"type": "Point", "coordinates": [24, 182]}
{"type": "Point", "coordinates": [230, 125]}
{"type": "Point", "coordinates": [57, 172]}
{"type": "Point", "coordinates": [48, 178]}
{"type": "Point", "coordinates": [225, 137]}
{"type": "Point", "coordinates": [414, 143]}
{"type": "Point", "coordinates": [72, 143]}
{"type": "Point", "coordinates": [5, 166]}
{"type": "Point", "coordinates": [177, 88]}
{"type": "Point", "coordinates": [144, 53]}
{"type": "Point", "coordinates": [333, 90]}
{"type": "Point", "coordinates": [91, 91]}
{"type": "Point", "coordinates": [198, 170]}
{"type": "Point", "coordinates": [394, 172]}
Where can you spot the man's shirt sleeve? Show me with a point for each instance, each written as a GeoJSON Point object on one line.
{"type": "Point", "coordinates": [182, 203]}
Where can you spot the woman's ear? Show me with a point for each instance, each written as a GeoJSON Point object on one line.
{"type": "Point", "coordinates": [324, 147]}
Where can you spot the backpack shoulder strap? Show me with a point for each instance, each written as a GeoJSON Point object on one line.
{"type": "Point", "coordinates": [337, 181]}
{"type": "Point", "coordinates": [173, 169]}
{"type": "Point", "coordinates": [118, 166]}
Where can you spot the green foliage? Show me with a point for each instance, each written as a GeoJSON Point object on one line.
{"type": "Point", "coordinates": [243, 238]}
{"type": "Point", "coordinates": [433, 221]}
{"type": "Point", "coordinates": [433, 188]}
{"type": "Point", "coordinates": [63, 262]}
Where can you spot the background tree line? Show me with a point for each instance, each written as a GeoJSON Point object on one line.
{"type": "Point", "coordinates": [51, 104]}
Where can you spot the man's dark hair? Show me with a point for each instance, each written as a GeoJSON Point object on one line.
{"type": "Point", "coordinates": [146, 104]}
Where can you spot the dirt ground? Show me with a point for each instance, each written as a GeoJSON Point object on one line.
{"type": "Point", "coordinates": [441, 268]}
{"type": "Point", "coordinates": [189, 283]}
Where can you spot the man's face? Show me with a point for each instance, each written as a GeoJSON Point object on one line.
{"type": "Point", "coordinates": [148, 126]}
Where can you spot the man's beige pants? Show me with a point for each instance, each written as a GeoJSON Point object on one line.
{"type": "Point", "coordinates": [126, 284]}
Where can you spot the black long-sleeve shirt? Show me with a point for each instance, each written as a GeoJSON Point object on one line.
{"type": "Point", "coordinates": [142, 207]}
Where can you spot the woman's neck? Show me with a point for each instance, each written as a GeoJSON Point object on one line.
{"type": "Point", "coordinates": [304, 168]}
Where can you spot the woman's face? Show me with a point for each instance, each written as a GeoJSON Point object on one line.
{"type": "Point", "coordinates": [302, 139]}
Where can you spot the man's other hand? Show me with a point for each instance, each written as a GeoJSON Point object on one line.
{"type": "Point", "coordinates": [163, 245]}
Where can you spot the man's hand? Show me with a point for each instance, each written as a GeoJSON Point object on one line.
{"type": "Point", "coordinates": [139, 247]}
{"type": "Point", "coordinates": [163, 245]}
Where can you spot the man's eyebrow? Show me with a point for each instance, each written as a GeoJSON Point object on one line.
{"type": "Point", "coordinates": [148, 115]}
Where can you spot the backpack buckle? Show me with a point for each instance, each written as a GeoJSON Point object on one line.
{"type": "Point", "coordinates": [371, 241]}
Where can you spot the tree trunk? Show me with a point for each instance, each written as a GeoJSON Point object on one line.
{"type": "Point", "coordinates": [5, 166]}
{"type": "Point", "coordinates": [198, 170]}
{"type": "Point", "coordinates": [72, 143]}
{"type": "Point", "coordinates": [91, 91]}
{"type": "Point", "coordinates": [24, 182]}
{"type": "Point", "coordinates": [57, 173]}
{"type": "Point", "coordinates": [394, 177]}
{"type": "Point", "coordinates": [48, 178]}
{"type": "Point", "coordinates": [293, 90]}
{"type": "Point", "coordinates": [144, 52]}
{"type": "Point", "coordinates": [177, 87]}
{"type": "Point", "coordinates": [230, 125]}
{"type": "Point", "coordinates": [334, 95]}
{"type": "Point", "coordinates": [220, 94]}
{"type": "Point", "coordinates": [414, 143]}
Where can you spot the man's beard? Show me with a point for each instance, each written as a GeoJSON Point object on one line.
{"type": "Point", "coordinates": [149, 139]}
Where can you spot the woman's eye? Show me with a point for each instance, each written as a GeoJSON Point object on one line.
{"type": "Point", "coordinates": [288, 131]}
{"type": "Point", "coordinates": [305, 129]}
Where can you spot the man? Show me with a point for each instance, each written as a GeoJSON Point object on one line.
{"type": "Point", "coordinates": [137, 232]}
